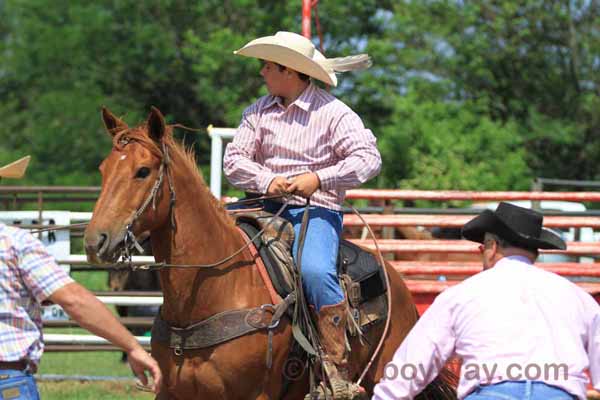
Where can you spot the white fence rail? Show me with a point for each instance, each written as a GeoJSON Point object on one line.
{"type": "Point", "coordinates": [68, 339]}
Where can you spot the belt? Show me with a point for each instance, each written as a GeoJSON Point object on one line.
{"type": "Point", "coordinates": [20, 365]}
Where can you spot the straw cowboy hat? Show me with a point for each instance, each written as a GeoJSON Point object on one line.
{"type": "Point", "coordinates": [517, 225]}
{"type": "Point", "coordinates": [299, 53]}
{"type": "Point", "coordinates": [16, 169]}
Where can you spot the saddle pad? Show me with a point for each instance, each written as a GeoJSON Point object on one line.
{"type": "Point", "coordinates": [359, 264]}
{"type": "Point", "coordinates": [281, 285]}
{"type": "Point", "coordinates": [363, 267]}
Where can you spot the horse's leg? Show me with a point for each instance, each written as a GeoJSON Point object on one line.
{"type": "Point", "coordinates": [297, 391]}
{"type": "Point", "coordinates": [162, 396]}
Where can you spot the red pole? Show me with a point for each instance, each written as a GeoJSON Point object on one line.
{"type": "Point", "coordinates": [306, 6]}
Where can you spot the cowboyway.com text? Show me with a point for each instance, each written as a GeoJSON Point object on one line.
{"type": "Point", "coordinates": [486, 372]}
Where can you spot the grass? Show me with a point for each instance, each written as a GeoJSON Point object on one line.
{"type": "Point", "coordinates": [96, 280]}
{"type": "Point", "coordinates": [98, 363]}
{"type": "Point", "coordinates": [90, 391]}
{"type": "Point", "coordinates": [106, 363]}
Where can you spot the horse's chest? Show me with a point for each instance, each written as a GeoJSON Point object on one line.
{"type": "Point", "coordinates": [216, 378]}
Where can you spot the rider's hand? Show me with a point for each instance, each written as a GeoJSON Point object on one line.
{"type": "Point", "coordinates": [279, 185]}
{"type": "Point", "coordinates": [140, 362]}
{"type": "Point", "coordinates": [305, 185]}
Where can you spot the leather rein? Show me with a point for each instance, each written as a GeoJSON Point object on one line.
{"type": "Point", "coordinates": [131, 243]}
{"type": "Point", "coordinates": [223, 326]}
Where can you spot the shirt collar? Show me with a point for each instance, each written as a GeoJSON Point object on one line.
{"type": "Point", "coordinates": [508, 259]}
{"type": "Point", "coordinates": [303, 101]}
{"type": "Point", "coordinates": [306, 98]}
{"type": "Point", "coordinates": [271, 101]}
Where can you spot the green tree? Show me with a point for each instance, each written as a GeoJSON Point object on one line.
{"type": "Point", "coordinates": [533, 64]}
{"type": "Point", "coordinates": [450, 145]}
{"type": "Point", "coordinates": [514, 78]}
{"type": "Point", "coordinates": [62, 61]}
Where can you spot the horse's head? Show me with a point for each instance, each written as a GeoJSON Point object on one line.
{"type": "Point", "coordinates": [135, 193]}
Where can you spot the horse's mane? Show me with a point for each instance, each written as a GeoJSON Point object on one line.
{"type": "Point", "coordinates": [176, 151]}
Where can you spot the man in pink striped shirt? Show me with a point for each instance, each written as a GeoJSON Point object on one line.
{"type": "Point", "coordinates": [300, 139]}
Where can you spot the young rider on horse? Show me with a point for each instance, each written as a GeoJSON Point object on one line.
{"type": "Point", "coordinates": [300, 139]}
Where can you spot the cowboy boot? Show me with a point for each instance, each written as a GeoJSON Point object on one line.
{"type": "Point", "coordinates": [331, 322]}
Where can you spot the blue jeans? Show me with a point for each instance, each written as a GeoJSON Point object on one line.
{"type": "Point", "coordinates": [319, 257]}
{"type": "Point", "coordinates": [519, 390]}
{"type": "Point", "coordinates": [17, 385]}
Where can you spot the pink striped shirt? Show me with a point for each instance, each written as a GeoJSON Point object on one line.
{"type": "Point", "coordinates": [316, 133]}
{"type": "Point", "coordinates": [512, 322]}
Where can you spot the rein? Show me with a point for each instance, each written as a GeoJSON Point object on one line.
{"type": "Point", "coordinates": [131, 243]}
{"type": "Point", "coordinates": [59, 228]}
{"type": "Point", "coordinates": [163, 265]}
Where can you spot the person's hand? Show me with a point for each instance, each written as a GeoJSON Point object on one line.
{"type": "Point", "coordinates": [304, 185]}
{"type": "Point", "coordinates": [140, 362]}
{"type": "Point", "coordinates": [279, 185]}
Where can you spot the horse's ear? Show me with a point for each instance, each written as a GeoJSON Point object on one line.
{"type": "Point", "coordinates": [112, 123]}
{"type": "Point", "coordinates": [156, 125]}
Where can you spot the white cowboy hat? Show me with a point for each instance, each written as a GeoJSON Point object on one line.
{"type": "Point", "coordinates": [16, 169]}
{"type": "Point", "coordinates": [299, 53]}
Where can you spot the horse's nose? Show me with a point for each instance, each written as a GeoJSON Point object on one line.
{"type": "Point", "coordinates": [96, 244]}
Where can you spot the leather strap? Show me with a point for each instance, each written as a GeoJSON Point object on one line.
{"type": "Point", "coordinates": [20, 365]}
{"type": "Point", "coordinates": [262, 270]}
{"type": "Point", "coordinates": [219, 328]}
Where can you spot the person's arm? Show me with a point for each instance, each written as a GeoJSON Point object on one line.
{"type": "Point", "coordinates": [91, 314]}
{"type": "Point", "coordinates": [593, 344]}
{"type": "Point", "coordinates": [47, 281]}
{"type": "Point", "coordinates": [359, 157]}
{"type": "Point", "coordinates": [239, 164]}
{"type": "Point", "coordinates": [420, 357]}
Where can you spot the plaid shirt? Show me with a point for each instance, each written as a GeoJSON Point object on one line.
{"type": "Point", "coordinates": [28, 276]}
{"type": "Point", "coordinates": [316, 133]}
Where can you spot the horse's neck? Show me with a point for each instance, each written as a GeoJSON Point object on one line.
{"type": "Point", "coordinates": [203, 235]}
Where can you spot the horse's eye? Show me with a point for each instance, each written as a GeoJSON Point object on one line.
{"type": "Point", "coordinates": [142, 172]}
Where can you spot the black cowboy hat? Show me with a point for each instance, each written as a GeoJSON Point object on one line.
{"type": "Point", "coordinates": [519, 226]}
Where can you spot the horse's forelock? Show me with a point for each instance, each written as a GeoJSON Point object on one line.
{"type": "Point", "coordinates": [139, 135]}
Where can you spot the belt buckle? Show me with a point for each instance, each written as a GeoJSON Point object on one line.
{"type": "Point", "coordinates": [11, 393]}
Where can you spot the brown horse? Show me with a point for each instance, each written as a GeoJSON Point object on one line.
{"type": "Point", "coordinates": [195, 229]}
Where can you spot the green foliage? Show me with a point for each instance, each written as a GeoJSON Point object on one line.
{"type": "Point", "coordinates": [62, 61]}
{"type": "Point", "coordinates": [462, 95]}
{"type": "Point", "coordinates": [530, 66]}
{"type": "Point", "coordinates": [448, 145]}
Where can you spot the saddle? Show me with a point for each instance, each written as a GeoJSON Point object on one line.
{"type": "Point", "coordinates": [361, 276]}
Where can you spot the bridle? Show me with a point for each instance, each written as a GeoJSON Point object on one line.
{"type": "Point", "coordinates": [129, 240]}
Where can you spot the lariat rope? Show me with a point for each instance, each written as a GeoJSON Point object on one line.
{"type": "Point", "coordinates": [389, 296]}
